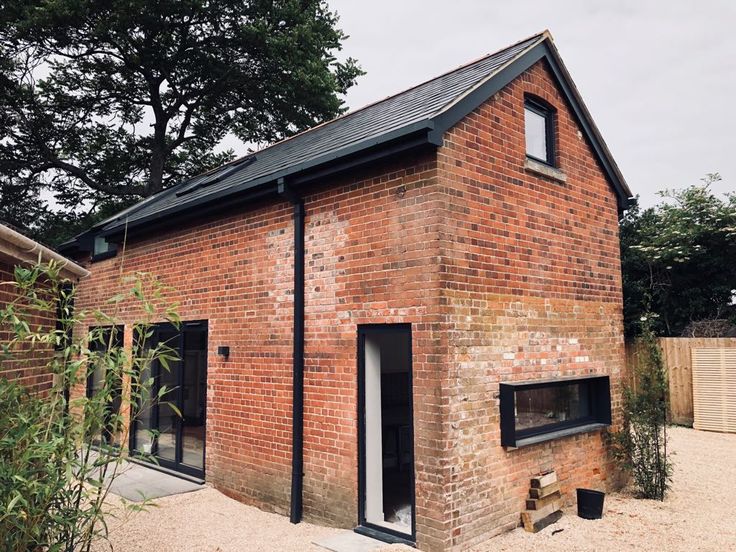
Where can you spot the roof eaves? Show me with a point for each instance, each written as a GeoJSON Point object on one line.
{"type": "Point", "coordinates": [71, 244]}
{"type": "Point", "coordinates": [422, 126]}
{"type": "Point", "coordinates": [23, 249]}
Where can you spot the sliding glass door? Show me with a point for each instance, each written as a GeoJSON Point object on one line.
{"type": "Point", "coordinates": [172, 429]}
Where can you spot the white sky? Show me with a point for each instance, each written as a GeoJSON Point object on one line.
{"type": "Point", "coordinates": [659, 76]}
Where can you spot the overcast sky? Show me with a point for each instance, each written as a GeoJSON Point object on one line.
{"type": "Point", "coordinates": [659, 77]}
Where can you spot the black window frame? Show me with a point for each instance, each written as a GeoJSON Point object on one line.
{"type": "Point", "coordinates": [148, 336]}
{"type": "Point", "coordinates": [549, 113]}
{"type": "Point", "coordinates": [364, 527]}
{"type": "Point", "coordinates": [112, 251]}
{"type": "Point", "coordinates": [599, 393]}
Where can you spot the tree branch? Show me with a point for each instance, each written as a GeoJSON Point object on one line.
{"type": "Point", "coordinates": [181, 135]}
{"type": "Point", "coordinates": [79, 173]}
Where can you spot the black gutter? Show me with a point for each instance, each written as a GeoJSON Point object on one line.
{"type": "Point", "coordinates": [297, 402]}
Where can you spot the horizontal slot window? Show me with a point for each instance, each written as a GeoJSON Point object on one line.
{"type": "Point", "coordinates": [535, 409]}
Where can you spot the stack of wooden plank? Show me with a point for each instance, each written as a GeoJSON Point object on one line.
{"type": "Point", "coordinates": [543, 507]}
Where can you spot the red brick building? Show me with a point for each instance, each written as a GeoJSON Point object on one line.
{"type": "Point", "coordinates": [395, 319]}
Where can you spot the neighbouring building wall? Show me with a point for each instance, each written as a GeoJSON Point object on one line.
{"type": "Point", "coordinates": [28, 365]}
{"type": "Point", "coordinates": [532, 290]}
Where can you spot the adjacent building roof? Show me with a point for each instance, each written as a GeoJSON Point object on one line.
{"type": "Point", "coordinates": [17, 249]}
{"type": "Point", "coordinates": [419, 115]}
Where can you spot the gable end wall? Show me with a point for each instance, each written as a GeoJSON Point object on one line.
{"type": "Point", "coordinates": [532, 290]}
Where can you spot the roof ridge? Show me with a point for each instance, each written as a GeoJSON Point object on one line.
{"type": "Point", "coordinates": [540, 37]}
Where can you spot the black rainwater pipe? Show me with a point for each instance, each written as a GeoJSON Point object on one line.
{"type": "Point", "coordinates": [297, 416]}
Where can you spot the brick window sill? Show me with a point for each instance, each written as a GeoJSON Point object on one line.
{"type": "Point", "coordinates": [534, 166]}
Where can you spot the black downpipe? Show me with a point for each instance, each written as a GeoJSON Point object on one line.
{"type": "Point", "coordinates": [297, 418]}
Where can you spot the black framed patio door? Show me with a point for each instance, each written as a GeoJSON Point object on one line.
{"type": "Point", "coordinates": [172, 428]}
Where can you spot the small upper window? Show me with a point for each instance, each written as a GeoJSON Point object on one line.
{"type": "Point", "coordinates": [539, 131]}
{"type": "Point", "coordinates": [103, 249]}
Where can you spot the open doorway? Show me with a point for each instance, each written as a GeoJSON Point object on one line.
{"type": "Point", "coordinates": [386, 441]}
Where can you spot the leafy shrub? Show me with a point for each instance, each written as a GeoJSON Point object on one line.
{"type": "Point", "coordinates": [58, 456]}
{"type": "Point", "coordinates": [640, 447]}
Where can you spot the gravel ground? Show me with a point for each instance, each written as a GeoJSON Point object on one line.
{"type": "Point", "coordinates": [209, 521]}
{"type": "Point", "coordinates": [697, 515]}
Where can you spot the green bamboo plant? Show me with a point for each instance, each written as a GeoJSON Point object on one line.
{"type": "Point", "coordinates": [60, 451]}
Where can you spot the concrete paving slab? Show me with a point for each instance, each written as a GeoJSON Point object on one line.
{"type": "Point", "coordinates": [137, 483]}
{"type": "Point", "coordinates": [348, 541]}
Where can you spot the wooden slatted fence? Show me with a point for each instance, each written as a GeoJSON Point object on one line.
{"type": "Point", "coordinates": [677, 355]}
{"type": "Point", "coordinates": [714, 388]}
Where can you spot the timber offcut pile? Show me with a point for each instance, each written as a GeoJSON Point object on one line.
{"type": "Point", "coordinates": [544, 505]}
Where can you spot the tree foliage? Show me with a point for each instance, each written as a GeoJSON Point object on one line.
{"type": "Point", "coordinates": [678, 259]}
{"type": "Point", "coordinates": [105, 103]}
{"type": "Point", "coordinates": [57, 454]}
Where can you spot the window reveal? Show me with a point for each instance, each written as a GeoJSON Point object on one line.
{"type": "Point", "coordinates": [539, 410]}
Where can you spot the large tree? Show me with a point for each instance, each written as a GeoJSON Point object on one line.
{"type": "Point", "coordinates": [106, 102]}
{"type": "Point", "coordinates": [679, 259]}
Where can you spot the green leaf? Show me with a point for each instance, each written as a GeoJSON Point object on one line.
{"type": "Point", "coordinates": [13, 502]}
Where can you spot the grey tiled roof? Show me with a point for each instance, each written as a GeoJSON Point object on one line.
{"type": "Point", "coordinates": [391, 116]}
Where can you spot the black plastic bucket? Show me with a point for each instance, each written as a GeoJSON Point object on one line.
{"type": "Point", "coordinates": [590, 503]}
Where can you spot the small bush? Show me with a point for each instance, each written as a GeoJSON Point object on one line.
{"type": "Point", "coordinates": [640, 447]}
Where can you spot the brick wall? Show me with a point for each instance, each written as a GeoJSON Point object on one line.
{"type": "Point", "coordinates": [532, 289]}
{"type": "Point", "coordinates": [371, 257]}
{"type": "Point", "coordinates": [235, 273]}
{"type": "Point", "coordinates": [503, 275]}
{"type": "Point", "coordinates": [27, 364]}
